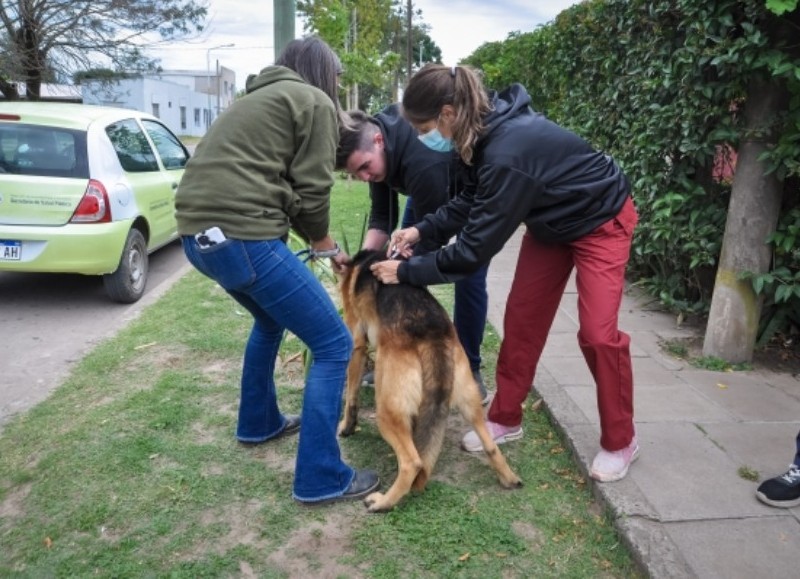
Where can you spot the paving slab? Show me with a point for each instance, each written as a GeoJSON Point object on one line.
{"type": "Point", "coordinates": [686, 508]}
{"type": "Point", "coordinates": [747, 548]}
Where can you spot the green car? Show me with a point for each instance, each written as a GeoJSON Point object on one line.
{"type": "Point", "coordinates": [86, 189]}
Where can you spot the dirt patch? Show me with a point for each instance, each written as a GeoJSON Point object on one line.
{"type": "Point", "coordinates": [11, 507]}
{"type": "Point", "coordinates": [531, 533]}
{"type": "Point", "coordinates": [780, 355]}
{"type": "Point", "coordinates": [242, 529]}
{"type": "Point", "coordinates": [313, 551]}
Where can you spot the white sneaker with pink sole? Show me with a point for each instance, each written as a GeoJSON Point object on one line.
{"type": "Point", "coordinates": [610, 466]}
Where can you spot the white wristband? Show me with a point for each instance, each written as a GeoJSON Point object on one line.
{"type": "Point", "coordinates": [317, 253]}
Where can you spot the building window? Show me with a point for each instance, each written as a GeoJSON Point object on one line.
{"type": "Point", "coordinates": [156, 111]}
{"type": "Point", "coordinates": [196, 117]}
{"type": "Point", "coordinates": [183, 118]}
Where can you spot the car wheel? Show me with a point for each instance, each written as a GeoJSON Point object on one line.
{"type": "Point", "coordinates": [126, 285]}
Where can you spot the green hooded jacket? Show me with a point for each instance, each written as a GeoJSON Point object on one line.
{"type": "Point", "coordinates": [265, 165]}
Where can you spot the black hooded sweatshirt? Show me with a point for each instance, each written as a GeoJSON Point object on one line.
{"type": "Point", "coordinates": [525, 169]}
{"type": "Point", "coordinates": [413, 170]}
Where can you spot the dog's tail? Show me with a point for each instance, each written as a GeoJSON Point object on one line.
{"type": "Point", "coordinates": [431, 423]}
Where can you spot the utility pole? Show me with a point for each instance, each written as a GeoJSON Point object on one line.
{"type": "Point", "coordinates": [409, 41]}
{"type": "Point", "coordinates": [285, 11]}
{"type": "Point", "coordinates": [208, 77]}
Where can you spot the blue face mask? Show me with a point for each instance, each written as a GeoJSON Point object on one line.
{"type": "Point", "coordinates": [434, 140]}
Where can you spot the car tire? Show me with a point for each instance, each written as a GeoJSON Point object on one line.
{"type": "Point", "coordinates": [127, 284]}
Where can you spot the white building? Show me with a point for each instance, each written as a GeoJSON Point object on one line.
{"type": "Point", "coordinates": [186, 101]}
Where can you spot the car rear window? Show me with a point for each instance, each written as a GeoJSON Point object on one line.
{"type": "Point", "coordinates": [42, 151]}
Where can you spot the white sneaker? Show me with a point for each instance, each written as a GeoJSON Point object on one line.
{"type": "Point", "coordinates": [610, 466]}
{"type": "Point", "coordinates": [501, 434]}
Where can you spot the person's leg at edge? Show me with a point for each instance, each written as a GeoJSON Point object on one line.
{"type": "Point", "coordinates": [797, 454]}
{"type": "Point", "coordinates": [540, 277]}
{"type": "Point", "coordinates": [783, 491]}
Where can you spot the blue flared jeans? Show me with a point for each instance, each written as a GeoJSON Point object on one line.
{"type": "Point", "coordinates": [281, 293]}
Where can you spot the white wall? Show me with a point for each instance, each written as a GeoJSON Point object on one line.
{"type": "Point", "coordinates": [158, 96]}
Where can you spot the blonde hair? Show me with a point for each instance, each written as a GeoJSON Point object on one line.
{"type": "Point", "coordinates": [436, 85]}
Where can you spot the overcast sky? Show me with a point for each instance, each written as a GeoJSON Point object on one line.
{"type": "Point", "coordinates": [457, 26]}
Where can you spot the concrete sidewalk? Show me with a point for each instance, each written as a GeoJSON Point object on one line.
{"type": "Point", "coordinates": [683, 509]}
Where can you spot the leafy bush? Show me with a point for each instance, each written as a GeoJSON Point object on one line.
{"type": "Point", "coordinates": [659, 85]}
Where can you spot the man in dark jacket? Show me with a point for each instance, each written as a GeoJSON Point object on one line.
{"type": "Point", "coordinates": [385, 151]}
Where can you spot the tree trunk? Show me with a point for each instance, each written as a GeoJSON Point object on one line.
{"type": "Point", "coordinates": [752, 215]}
{"type": "Point", "coordinates": [9, 90]}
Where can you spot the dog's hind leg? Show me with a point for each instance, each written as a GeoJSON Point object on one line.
{"type": "Point", "coordinates": [429, 450]}
{"type": "Point", "coordinates": [355, 369]}
{"type": "Point", "coordinates": [467, 400]}
{"type": "Point", "coordinates": [397, 393]}
{"type": "Point", "coordinates": [396, 430]}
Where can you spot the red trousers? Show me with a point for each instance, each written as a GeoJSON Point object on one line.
{"type": "Point", "coordinates": [539, 281]}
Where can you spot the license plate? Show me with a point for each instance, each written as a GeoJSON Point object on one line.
{"type": "Point", "coordinates": [10, 250]}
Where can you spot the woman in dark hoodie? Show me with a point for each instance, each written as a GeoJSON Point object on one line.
{"type": "Point", "coordinates": [265, 166]}
{"type": "Point", "coordinates": [517, 168]}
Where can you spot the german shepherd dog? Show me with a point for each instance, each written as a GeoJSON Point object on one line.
{"type": "Point", "coordinates": [420, 370]}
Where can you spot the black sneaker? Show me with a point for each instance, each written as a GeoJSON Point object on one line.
{"type": "Point", "coordinates": [485, 398]}
{"type": "Point", "coordinates": [292, 426]}
{"type": "Point", "coordinates": [364, 482]}
{"type": "Point", "coordinates": [782, 491]}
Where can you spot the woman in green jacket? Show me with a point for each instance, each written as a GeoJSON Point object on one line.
{"type": "Point", "coordinates": [265, 166]}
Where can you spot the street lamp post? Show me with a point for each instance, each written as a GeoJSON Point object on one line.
{"type": "Point", "coordinates": [208, 73]}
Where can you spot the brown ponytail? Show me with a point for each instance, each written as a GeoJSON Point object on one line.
{"type": "Point", "coordinates": [436, 85]}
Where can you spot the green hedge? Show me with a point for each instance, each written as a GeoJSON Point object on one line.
{"type": "Point", "coordinates": [659, 85]}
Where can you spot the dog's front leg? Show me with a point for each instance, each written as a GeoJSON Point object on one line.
{"type": "Point", "coordinates": [355, 370]}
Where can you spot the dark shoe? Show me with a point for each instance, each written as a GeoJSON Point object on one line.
{"type": "Point", "coordinates": [368, 379]}
{"type": "Point", "coordinates": [364, 482]}
{"type": "Point", "coordinates": [782, 491]}
{"type": "Point", "coordinates": [292, 426]}
{"type": "Point", "coordinates": [481, 387]}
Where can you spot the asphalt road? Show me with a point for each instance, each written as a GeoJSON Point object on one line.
{"type": "Point", "coordinates": [50, 321]}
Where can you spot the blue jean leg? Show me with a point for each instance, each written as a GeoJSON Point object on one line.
{"type": "Point", "coordinates": [258, 406]}
{"type": "Point", "coordinates": [282, 293]}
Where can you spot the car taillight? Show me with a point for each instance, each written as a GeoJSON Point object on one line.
{"type": "Point", "coordinates": [94, 206]}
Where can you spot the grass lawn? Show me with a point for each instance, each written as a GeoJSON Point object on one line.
{"type": "Point", "coordinates": [130, 469]}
